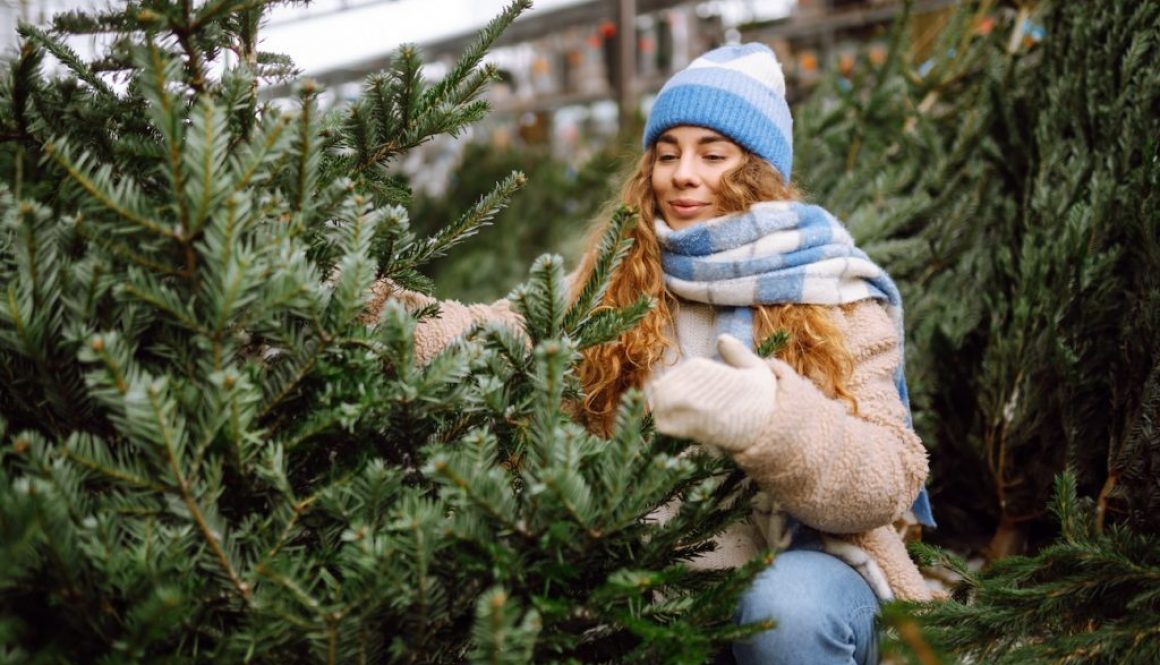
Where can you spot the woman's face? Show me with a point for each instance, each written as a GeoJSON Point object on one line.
{"type": "Point", "coordinates": [686, 177]}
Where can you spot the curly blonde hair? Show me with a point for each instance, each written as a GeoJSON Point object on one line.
{"type": "Point", "coordinates": [816, 347]}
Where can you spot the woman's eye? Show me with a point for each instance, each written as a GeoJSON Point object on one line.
{"type": "Point", "coordinates": [714, 158]}
{"type": "Point", "coordinates": [666, 158]}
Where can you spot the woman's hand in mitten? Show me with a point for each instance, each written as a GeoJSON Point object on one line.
{"type": "Point", "coordinates": [724, 404]}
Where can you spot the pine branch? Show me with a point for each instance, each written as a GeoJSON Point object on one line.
{"type": "Point", "coordinates": [46, 509]}
{"type": "Point", "coordinates": [451, 122]}
{"type": "Point", "coordinates": [607, 325]}
{"type": "Point", "coordinates": [419, 544]}
{"type": "Point", "coordinates": [233, 281]}
{"type": "Point", "coordinates": [164, 298]}
{"type": "Point", "coordinates": [130, 253]}
{"type": "Point", "coordinates": [146, 409]}
{"type": "Point", "coordinates": [170, 435]}
{"type": "Point", "coordinates": [36, 258]}
{"type": "Point", "coordinates": [31, 316]}
{"type": "Point", "coordinates": [406, 87]}
{"type": "Point", "coordinates": [361, 130]}
{"type": "Point", "coordinates": [108, 20]}
{"type": "Point", "coordinates": [205, 157]}
{"type": "Point", "coordinates": [158, 70]}
{"type": "Point", "coordinates": [467, 225]}
{"type": "Point", "coordinates": [67, 57]}
{"type": "Point", "coordinates": [307, 151]}
{"type": "Point", "coordinates": [450, 90]}
{"type": "Point", "coordinates": [572, 490]}
{"type": "Point", "coordinates": [382, 107]}
{"type": "Point", "coordinates": [124, 199]}
{"type": "Point", "coordinates": [356, 270]}
{"type": "Point", "coordinates": [91, 279]}
{"type": "Point", "coordinates": [553, 357]}
{"type": "Point", "coordinates": [543, 299]}
{"type": "Point", "coordinates": [238, 414]}
{"type": "Point", "coordinates": [1086, 597]}
{"type": "Point", "coordinates": [509, 346]}
{"type": "Point", "coordinates": [405, 110]}
{"type": "Point", "coordinates": [446, 370]}
{"type": "Point", "coordinates": [251, 162]}
{"type": "Point", "coordinates": [25, 85]}
{"type": "Point", "coordinates": [614, 246]}
{"type": "Point", "coordinates": [464, 95]}
{"type": "Point", "coordinates": [397, 101]}
{"type": "Point", "coordinates": [214, 10]}
{"type": "Point", "coordinates": [475, 479]}
{"type": "Point", "coordinates": [774, 344]}
{"type": "Point", "coordinates": [288, 283]}
{"type": "Point", "coordinates": [286, 376]}
{"type": "Point", "coordinates": [299, 508]}
{"type": "Point", "coordinates": [91, 454]}
{"type": "Point", "coordinates": [184, 29]}
{"type": "Point", "coordinates": [503, 632]}
{"type": "Point", "coordinates": [618, 470]}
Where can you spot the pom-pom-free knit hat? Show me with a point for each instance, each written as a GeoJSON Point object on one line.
{"type": "Point", "coordinates": [737, 90]}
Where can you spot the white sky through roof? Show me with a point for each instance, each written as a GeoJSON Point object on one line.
{"type": "Point", "coordinates": [331, 33]}
{"type": "Point", "coordinates": [332, 38]}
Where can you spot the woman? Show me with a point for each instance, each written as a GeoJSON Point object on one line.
{"type": "Point", "coordinates": [731, 256]}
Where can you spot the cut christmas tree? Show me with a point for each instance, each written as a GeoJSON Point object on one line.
{"type": "Point", "coordinates": [209, 452]}
{"type": "Point", "coordinates": [1010, 183]}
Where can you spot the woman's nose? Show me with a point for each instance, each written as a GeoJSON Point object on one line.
{"type": "Point", "coordinates": [686, 173]}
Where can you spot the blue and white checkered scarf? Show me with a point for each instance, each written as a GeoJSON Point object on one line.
{"type": "Point", "coordinates": [773, 253]}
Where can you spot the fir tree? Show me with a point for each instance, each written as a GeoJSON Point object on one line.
{"type": "Point", "coordinates": [207, 454]}
{"type": "Point", "coordinates": [1091, 596]}
{"type": "Point", "coordinates": [1010, 184]}
{"type": "Point", "coordinates": [1022, 175]}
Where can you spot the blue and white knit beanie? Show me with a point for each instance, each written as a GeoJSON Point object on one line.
{"type": "Point", "coordinates": [736, 90]}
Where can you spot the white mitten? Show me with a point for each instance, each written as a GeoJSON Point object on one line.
{"type": "Point", "coordinates": [724, 404]}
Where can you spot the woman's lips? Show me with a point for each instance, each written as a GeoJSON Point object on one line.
{"type": "Point", "coordinates": [685, 208]}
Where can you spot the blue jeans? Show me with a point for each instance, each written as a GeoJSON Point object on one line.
{"type": "Point", "coordinates": [825, 613]}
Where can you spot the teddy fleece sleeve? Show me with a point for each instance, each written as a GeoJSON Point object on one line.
{"type": "Point", "coordinates": [435, 333]}
{"type": "Point", "coordinates": [834, 469]}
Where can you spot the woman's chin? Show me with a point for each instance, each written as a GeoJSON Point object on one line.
{"type": "Point", "coordinates": [678, 220]}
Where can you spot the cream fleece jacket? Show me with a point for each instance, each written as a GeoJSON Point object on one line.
{"type": "Point", "coordinates": [454, 319]}
{"type": "Point", "coordinates": [848, 475]}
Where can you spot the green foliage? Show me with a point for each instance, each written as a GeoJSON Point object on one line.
{"type": "Point", "coordinates": [588, 323]}
{"type": "Point", "coordinates": [563, 540]}
{"type": "Point", "coordinates": [1010, 190]}
{"type": "Point", "coordinates": [208, 453]}
{"type": "Point", "coordinates": [1092, 596]}
{"type": "Point", "coordinates": [770, 346]}
{"type": "Point", "coordinates": [551, 215]}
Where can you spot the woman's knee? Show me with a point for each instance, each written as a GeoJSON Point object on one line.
{"type": "Point", "coordinates": [799, 582]}
{"type": "Point", "coordinates": [822, 610]}
{"type": "Point", "coordinates": [795, 609]}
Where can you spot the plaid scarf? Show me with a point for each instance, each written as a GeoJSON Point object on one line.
{"type": "Point", "coordinates": [773, 253]}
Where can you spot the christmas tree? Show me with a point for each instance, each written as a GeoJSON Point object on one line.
{"type": "Point", "coordinates": [1010, 183]}
{"type": "Point", "coordinates": [1018, 168]}
{"type": "Point", "coordinates": [211, 452]}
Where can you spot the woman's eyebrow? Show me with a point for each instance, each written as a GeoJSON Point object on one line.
{"type": "Point", "coordinates": [708, 138]}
